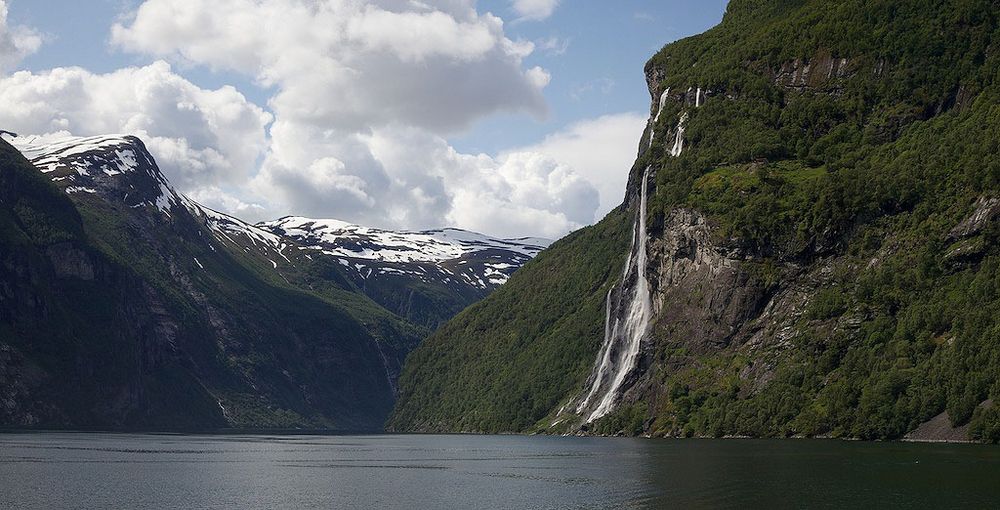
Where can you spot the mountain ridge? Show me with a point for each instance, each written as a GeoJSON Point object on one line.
{"type": "Point", "coordinates": [262, 332]}
{"type": "Point", "coordinates": [470, 266]}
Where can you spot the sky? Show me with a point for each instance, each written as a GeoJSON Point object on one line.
{"type": "Point", "coordinates": [508, 117]}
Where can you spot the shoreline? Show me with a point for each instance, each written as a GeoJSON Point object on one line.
{"type": "Point", "coordinates": [358, 433]}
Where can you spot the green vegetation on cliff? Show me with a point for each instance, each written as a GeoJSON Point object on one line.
{"type": "Point", "coordinates": [842, 138]}
{"type": "Point", "coordinates": [523, 349]}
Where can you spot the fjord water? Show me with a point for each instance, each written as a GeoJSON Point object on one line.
{"type": "Point", "coordinates": [57, 470]}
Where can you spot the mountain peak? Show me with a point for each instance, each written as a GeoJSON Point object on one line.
{"type": "Point", "coordinates": [118, 168]}
{"type": "Point", "coordinates": [52, 152]}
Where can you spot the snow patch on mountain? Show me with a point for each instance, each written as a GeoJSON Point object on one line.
{"type": "Point", "coordinates": [342, 239]}
{"type": "Point", "coordinates": [118, 168]}
{"type": "Point", "coordinates": [95, 164]}
{"type": "Point", "coordinates": [49, 153]}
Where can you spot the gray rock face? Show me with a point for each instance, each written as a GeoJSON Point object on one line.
{"type": "Point", "coordinates": [709, 297]}
{"type": "Point", "coordinates": [820, 71]}
{"type": "Point", "coordinates": [987, 209]}
{"type": "Point", "coordinates": [17, 379]}
{"type": "Point", "coordinates": [701, 293]}
{"type": "Point", "coordinates": [939, 429]}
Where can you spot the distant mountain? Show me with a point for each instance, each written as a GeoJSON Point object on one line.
{"type": "Point", "coordinates": [426, 277]}
{"type": "Point", "coordinates": [125, 304]}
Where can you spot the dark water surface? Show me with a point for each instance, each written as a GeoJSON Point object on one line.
{"type": "Point", "coordinates": [57, 470]}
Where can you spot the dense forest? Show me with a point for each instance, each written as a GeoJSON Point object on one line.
{"type": "Point", "coordinates": [848, 148]}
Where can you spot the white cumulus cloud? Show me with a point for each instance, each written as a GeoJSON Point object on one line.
{"type": "Point", "coordinates": [515, 194]}
{"type": "Point", "coordinates": [199, 137]}
{"type": "Point", "coordinates": [358, 83]}
{"type": "Point", "coordinates": [535, 10]}
{"type": "Point", "coordinates": [598, 150]}
{"type": "Point", "coordinates": [348, 64]}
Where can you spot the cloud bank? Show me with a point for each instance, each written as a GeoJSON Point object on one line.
{"type": "Point", "coordinates": [363, 95]}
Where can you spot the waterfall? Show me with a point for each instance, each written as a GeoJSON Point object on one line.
{"type": "Point", "coordinates": [663, 102]}
{"type": "Point", "coordinates": [623, 335]}
{"type": "Point", "coordinates": [624, 332]}
{"type": "Point", "coordinates": [679, 139]}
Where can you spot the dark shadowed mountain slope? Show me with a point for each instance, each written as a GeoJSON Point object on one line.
{"type": "Point", "coordinates": [125, 304]}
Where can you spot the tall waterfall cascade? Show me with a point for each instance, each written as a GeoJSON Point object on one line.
{"type": "Point", "coordinates": [628, 314]}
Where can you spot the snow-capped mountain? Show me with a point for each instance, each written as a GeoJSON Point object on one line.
{"type": "Point", "coordinates": [467, 257]}
{"type": "Point", "coordinates": [424, 276]}
{"type": "Point", "coordinates": [197, 318]}
{"type": "Point", "coordinates": [113, 166]}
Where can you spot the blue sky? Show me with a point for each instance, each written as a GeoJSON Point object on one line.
{"type": "Point", "coordinates": [601, 71]}
{"type": "Point", "coordinates": [593, 53]}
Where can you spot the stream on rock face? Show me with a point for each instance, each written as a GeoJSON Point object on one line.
{"type": "Point", "coordinates": [623, 335]}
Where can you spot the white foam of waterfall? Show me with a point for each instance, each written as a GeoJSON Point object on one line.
{"type": "Point", "coordinates": [606, 363]}
{"type": "Point", "coordinates": [663, 102]}
{"type": "Point", "coordinates": [623, 335]}
{"type": "Point", "coordinates": [679, 137]}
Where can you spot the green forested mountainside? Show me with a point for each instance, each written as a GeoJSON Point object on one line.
{"type": "Point", "coordinates": [851, 142]}
{"type": "Point", "coordinates": [907, 62]}
{"type": "Point", "coordinates": [503, 363]}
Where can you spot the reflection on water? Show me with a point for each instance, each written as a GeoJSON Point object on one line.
{"type": "Point", "coordinates": [49, 470]}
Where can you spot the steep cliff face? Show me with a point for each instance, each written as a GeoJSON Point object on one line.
{"type": "Point", "coordinates": [814, 185]}
{"type": "Point", "coordinates": [83, 340]}
{"type": "Point", "coordinates": [757, 309]}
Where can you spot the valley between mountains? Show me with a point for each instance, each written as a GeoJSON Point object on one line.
{"type": "Point", "coordinates": [127, 305]}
